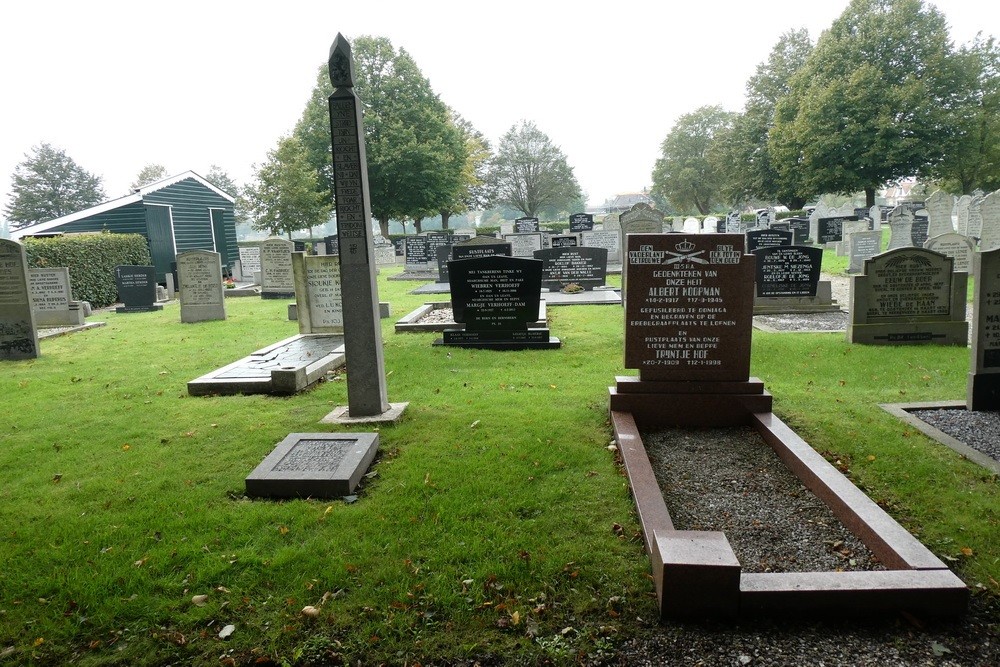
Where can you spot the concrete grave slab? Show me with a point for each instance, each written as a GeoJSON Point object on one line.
{"type": "Point", "coordinates": [313, 465]}
{"type": "Point", "coordinates": [287, 367]}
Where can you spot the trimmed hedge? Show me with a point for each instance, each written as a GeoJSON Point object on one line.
{"type": "Point", "coordinates": [91, 259]}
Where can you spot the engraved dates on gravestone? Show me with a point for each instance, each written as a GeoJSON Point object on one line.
{"type": "Point", "coordinates": [318, 294]}
{"type": "Point", "coordinates": [799, 227]}
{"type": "Point", "coordinates": [250, 259]}
{"type": "Point", "coordinates": [418, 252]}
{"type": "Point", "coordinates": [199, 273]}
{"type": "Point", "coordinates": [50, 291]}
{"type": "Point", "coordinates": [18, 335]}
{"type": "Point", "coordinates": [524, 245]}
{"type": "Point", "coordinates": [581, 222]}
{"type": "Point", "coordinates": [957, 246]}
{"type": "Point", "coordinates": [522, 225]}
{"type": "Point", "coordinates": [862, 246]}
{"type": "Point", "coordinates": [314, 465]}
{"type": "Point", "coordinates": [689, 308]}
{"type": "Point", "coordinates": [564, 241]}
{"type": "Point", "coordinates": [137, 289]}
{"type": "Point", "coordinates": [766, 238]}
{"type": "Point", "coordinates": [562, 268]}
{"type": "Point", "coordinates": [276, 278]}
{"type": "Point", "coordinates": [788, 271]}
{"type": "Point", "coordinates": [496, 293]}
{"type": "Point", "coordinates": [831, 230]}
{"type": "Point", "coordinates": [909, 282]}
{"type": "Point", "coordinates": [609, 240]}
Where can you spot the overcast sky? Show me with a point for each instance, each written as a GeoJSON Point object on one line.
{"type": "Point", "coordinates": [188, 84]}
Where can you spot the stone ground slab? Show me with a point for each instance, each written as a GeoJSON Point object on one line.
{"type": "Point", "coordinates": [341, 415]}
{"type": "Point", "coordinates": [916, 580]}
{"type": "Point", "coordinates": [433, 288]}
{"type": "Point", "coordinates": [287, 367]}
{"type": "Point", "coordinates": [313, 465]}
{"type": "Point", "coordinates": [595, 297]}
{"type": "Point", "coordinates": [411, 321]}
{"type": "Point", "coordinates": [902, 411]}
{"type": "Point", "coordinates": [52, 332]}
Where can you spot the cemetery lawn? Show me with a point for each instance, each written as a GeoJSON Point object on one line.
{"type": "Point", "coordinates": [495, 524]}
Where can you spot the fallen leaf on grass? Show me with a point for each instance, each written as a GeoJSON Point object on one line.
{"type": "Point", "coordinates": [310, 611]}
{"type": "Point", "coordinates": [199, 600]}
{"type": "Point", "coordinates": [283, 530]}
{"type": "Point", "coordinates": [474, 424]}
{"type": "Point", "coordinates": [966, 551]}
{"type": "Point", "coordinates": [226, 631]}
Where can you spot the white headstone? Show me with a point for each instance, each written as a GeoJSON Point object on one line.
{"type": "Point", "coordinates": [610, 240]}
{"type": "Point", "coordinates": [939, 207]}
{"type": "Point", "coordinates": [989, 234]}
{"type": "Point", "coordinates": [962, 214]}
{"type": "Point", "coordinates": [957, 246]}
{"type": "Point", "coordinates": [51, 297]}
{"type": "Point", "coordinates": [692, 226]}
{"type": "Point", "coordinates": [250, 260]}
{"type": "Point", "coordinates": [276, 278]}
{"type": "Point", "coordinates": [318, 294]}
{"type": "Point", "coordinates": [900, 228]}
{"type": "Point", "coordinates": [524, 245]}
{"type": "Point", "coordinates": [710, 225]}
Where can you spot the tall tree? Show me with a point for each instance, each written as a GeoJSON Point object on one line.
{"type": "Point", "coordinates": [972, 160]}
{"type": "Point", "coordinates": [687, 173]}
{"type": "Point", "coordinates": [529, 173]}
{"type": "Point", "coordinates": [749, 171]}
{"type": "Point", "coordinates": [472, 192]}
{"type": "Point", "coordinates": [49, 184]}
{"type": "Point", "coordinates": [416, 155]}
{"type": "Point", "coordinates": [283, 197]}
{"type": "Point", "coordinates": [151, 173]}
{"type": "Point", "coordinates": [220, 178]}
{"type": "Point", "coordinates": [872, 102]}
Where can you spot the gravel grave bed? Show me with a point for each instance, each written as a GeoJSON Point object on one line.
{"type": "Point", "coordinates": [730, 480]}
{"type": "Point", "coordinates": [979, 430]}
{"type": "Point", "coordinates": [832, 321]}
{"type": "Point", "coordinates": [437, 316]}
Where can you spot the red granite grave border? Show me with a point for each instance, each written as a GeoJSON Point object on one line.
{"type": "Point", "coordinates": [696, 573]}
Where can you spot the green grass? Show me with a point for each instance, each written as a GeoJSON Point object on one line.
{"type": "Point", "coordinates": [496, 517]}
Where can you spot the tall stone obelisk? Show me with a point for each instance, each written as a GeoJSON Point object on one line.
{"type": "Point", "coordinates": [366, 392]}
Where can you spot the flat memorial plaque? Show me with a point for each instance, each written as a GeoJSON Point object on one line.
{"type": "Point", "coordinates": [585, 268]}
{"type": "Point", "coordinates": [314, 465]}
{"type": "Point", "coordinates": [689, 310]}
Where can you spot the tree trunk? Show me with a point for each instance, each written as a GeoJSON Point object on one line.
{"type": "Point", "coordinates": [383, 224]}
{"type": "Point", "coordinates": [444, 219]}
{"type": "Point", "coordinates": [869, 197]}
{"type": "Point", "coordinates": [416, 225]}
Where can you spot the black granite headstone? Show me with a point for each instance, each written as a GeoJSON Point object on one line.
{"type": "Point", "coordinates": [564, 241]}
{"type": "Point", "coordinates": [766, 238]}
{"type": "Point", "coordinates": [522, 225]}
{"type": "Point", "coordinates": [581, 222]}
{"type": "Point", "coordinates": [569, 269]}
{"type": "Point", "coordinates": [831, 230]}
{"type": "Point", "coordinates": [799, 227]}
{"type": "Point", "coordinates": [136, 289]}
{"type": "Point", "coordinates": [787, 271]}
{"type": "Point", "coordinates": [472, 251]}
{"type": "Point", "coordinates": [332, 245]}
{"type": "Point", "coordinates": [496, 298]}
{"type": "Point", "coordinates": [418, 250]}
{"type": "Point", "coordinates": [918, 231]}
{"type": "Point", "coordinates": [443, 257]}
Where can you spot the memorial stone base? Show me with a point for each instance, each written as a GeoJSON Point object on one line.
{"type": "Point", "coordinates": [823, 302]}
{"type": "Point", "coordinates": [690, 403]}
{"type": "Point", "coordinates": [531, 339]}
{"type": "Point", "coordinates": [139, 309]}
{"type": "Point", "coordinates": [915, 333]}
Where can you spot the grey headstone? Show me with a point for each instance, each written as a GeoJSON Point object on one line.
{"type": "Point", "coordinates": [276, 278]}
{"type": "Point", "coordinates": [983, 388]}
{"type": "Point", "coordinates": [18, 335]}
{"type": "Point", "coordinates": [960, 248]}
{"type": "Point", "coordinates": [862, 246]}
{"type": "Point", "coordinates": [939, 208]}
{"type": "Point", "coordinates": [900, 228]}
{"type": "Point", "coordinates": [989, 235]}
{"type": "Point", "coordinates": [524, 245]}
{"type": "Point", "coordinates": [202, 293]}
{"type": "Point", "coordinates": [609, 240]}
{"type": "Point", "coordinates": [250, 260]}
{"type": "Point", "coordinates": [51, 298]}
{"type": "Point", "coordinates": [318, 294]}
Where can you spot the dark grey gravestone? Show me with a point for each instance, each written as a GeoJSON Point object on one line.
{"type": "Point", "coordinates": [787, 271]}
{"type": "Point", "coordinates": [443, 257]}
{"type": "Point", "coordinates": [799, 227]}
{"type": "Point", "coordinates": [496, 298]}
{"type": "Point", "coordinates": [919, 230]}
{"type": "Point", "coordinates": [332, 246]}
{"type": "Point", "coordinates": [831, 230]}
{"type": "Point", "coordinates": [522, 225]}
{"type": "Point", "coordinates": [767, 238]}
{"type": "Point", "coordinates": [564, 268]}
{"type": "Point", "coordinates": [366, 388]}
{"type": "Point", "coordinates": [18, 335]}
{"type": "Point", "coordinates": [136, 289]}
{"type": "Point", "coordinates": [418, 253]}
{"type": "Point", "coordinates": [581, 222]}
{"type": "Point", "coordinates": [564, 241]}
{"type": "Point", "coordinates": [481, 246]}
{"type": "Point", "coordinates": [314, 465]}
{"type": "Point", "coordinates": [983, 388]}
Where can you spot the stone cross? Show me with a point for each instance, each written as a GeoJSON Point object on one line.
{"type": "Point", "coordinates": [366, 389]}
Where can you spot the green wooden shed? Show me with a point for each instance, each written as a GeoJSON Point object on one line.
{"type": "Point", "coordinates": [182, 212]}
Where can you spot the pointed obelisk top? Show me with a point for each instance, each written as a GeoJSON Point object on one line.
{"type": "Point", "coordinates": [341, 63]}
